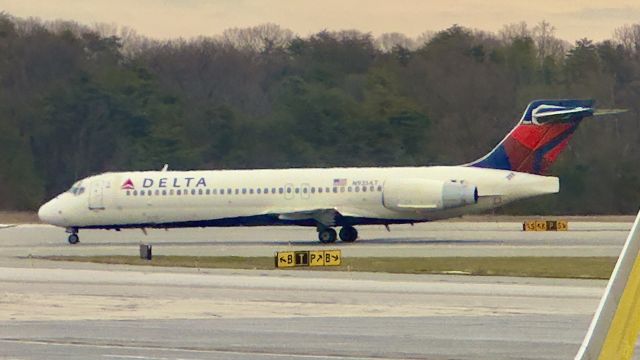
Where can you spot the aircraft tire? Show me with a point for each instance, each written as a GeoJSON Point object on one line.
{"type": "Point", "coordinates": [348, 234]}
{"type": "Point", "coordinates": [327, 236]}
{"type": "Point", "coordinates": [73, 239]}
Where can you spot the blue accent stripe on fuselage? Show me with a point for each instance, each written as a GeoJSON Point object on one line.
{"type": "Point", "coordinates": [257, 220]}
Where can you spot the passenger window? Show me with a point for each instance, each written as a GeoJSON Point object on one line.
{"type": "Point", "coordinates": [379, 187]}
{"type": "Point", "coordinates": [319, 190]}
{"type": "Point", "coordinates": [251, 191]}
{"type": "Point", "coordinates": [313, 190]}
{"type": "Point", "coordinates": [371, 188]}
{"type": "Point", "coordinates": [141, 192]}
{"type": "Point", "coordinates": [304, 190]}
{"type": "Point", "coordinates": [258, 190]}
{"type": "Point", "coordinates": [179, 192]}
{"type": "Point", "coordinates": [288, 190]}
{"type": "Point", "coordinates": [208, 192]}
{"type": "Point", "coordinates": [280, 190]}
{"type": "Point", "coordinates": [342, 189]}
{"type": "Point", "coordinates": [357, 188]}
{"type": "Point", "coordinates": [335, 189]}
{"type": "Point", "coordinates": [200, 192]}
{"type": "Point", "coordinates": [164, 192]}
{"type": "Point", "coordinates": [157, 192]}
{"type": "Point", "coordinates": [297, 190]}
{"type": "Point", "coordinates": [364, 188]}
{"type": "Point", "coordinates": [128, 193]}
{"type": "Point", "coordinates": [228, 191]}
{"type": "Point", "coordinates": [349, 189]}
{"type": "Point", "coordinates": [237, 191]}
{"type": "Point", "coordinates": [193, 191]}
{"type": "Point", "coordinates": [135, 192]}
{"type": "Point", "coordinates": [149, 192]}
{"type": "Point", "coordinates": [171, 192]}
{"type": "Point", "coordinates": [266, 190]}
{"type": "Point", "coordinates": [244, 191]}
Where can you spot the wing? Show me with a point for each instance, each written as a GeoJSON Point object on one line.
{"type": "Point", "coordinates": [326, 217]}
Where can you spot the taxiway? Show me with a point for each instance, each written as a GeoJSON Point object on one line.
{"type": "Point", "coordinates": [58, 310]}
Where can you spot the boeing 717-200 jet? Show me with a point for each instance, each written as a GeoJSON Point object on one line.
{"type": "Point", "coordinates": [329, 197]}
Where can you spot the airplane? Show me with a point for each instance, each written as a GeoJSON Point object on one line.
{"type": "Point", "coordinates": [325, 198]}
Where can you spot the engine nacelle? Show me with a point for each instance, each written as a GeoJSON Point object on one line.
{"type": "Point", "coordinates": [425, 195]}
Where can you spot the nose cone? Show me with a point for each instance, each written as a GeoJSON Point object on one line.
{"type": "Point", "coordinates": [49, 214]}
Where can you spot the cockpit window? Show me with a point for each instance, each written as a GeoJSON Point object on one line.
{"type": "Point", "coordinates": [77, 188]}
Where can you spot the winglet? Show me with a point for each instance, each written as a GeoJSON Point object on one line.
{"type": "Point", "coordinates": [614, 329]}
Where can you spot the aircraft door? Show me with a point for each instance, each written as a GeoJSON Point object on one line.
{"type": "Point", "coordinates": [96, 195]}
{"type": "Point", "coordinates": [288, 191]}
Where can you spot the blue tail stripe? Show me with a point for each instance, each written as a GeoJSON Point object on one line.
{"type": "Point", "coordinates": [498, 159]}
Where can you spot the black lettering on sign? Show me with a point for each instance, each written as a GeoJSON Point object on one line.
{"type": "Point", "coordinates": [302, 258]}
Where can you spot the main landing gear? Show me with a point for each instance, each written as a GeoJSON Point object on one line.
{"type": "Point", "coordinates": [328, 235]}
{"type": "Point", "coordinates": [73, 236]}
{"type": "Point", "coordinates": [348, 234]}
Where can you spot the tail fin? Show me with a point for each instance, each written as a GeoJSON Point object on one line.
{"type": "Point", "coordinates": [540, 136]}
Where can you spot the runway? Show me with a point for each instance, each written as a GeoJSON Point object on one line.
{"type": "Point", "coordinates": [54, 310]}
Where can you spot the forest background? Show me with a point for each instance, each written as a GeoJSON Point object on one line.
{"type": "Point", "coordinates": [78, 100]}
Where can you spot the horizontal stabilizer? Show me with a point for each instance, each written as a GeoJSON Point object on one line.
{"type": "Point", "coordinates": [544, 114]}
{"type": "Point", "coordinates": [603, 112]}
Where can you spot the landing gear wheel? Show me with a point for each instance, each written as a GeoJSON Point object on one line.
{"type": "Point", "coordinates": [74, 239]}
{"type": "Point", "coordinates": [327, 236]}
{"type": "Point", "coordinates": [348, 234]}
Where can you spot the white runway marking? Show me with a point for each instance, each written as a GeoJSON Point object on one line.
{"type": "Point", "coordinates": [253, 354]}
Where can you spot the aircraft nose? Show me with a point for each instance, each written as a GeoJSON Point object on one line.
{"type": "Point", "coordinates": [49, 214]}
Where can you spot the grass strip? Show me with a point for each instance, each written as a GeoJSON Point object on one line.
{"type": "Point", "coordinates": [546, 267]}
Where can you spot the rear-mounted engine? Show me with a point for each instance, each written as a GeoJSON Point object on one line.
{"type": "Point", "coordinates": [424, 194]}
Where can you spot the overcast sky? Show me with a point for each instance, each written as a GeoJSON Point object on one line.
{"type": "Point", "coordinates": [162, 19]}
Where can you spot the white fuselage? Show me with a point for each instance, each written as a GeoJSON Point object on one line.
{"type": "Point", "coordinates": [263, 197]}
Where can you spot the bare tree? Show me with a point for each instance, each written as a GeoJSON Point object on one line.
{"type": "Point", "coordinates": [261, 38]}
{"type": "Point", "coordinates": [629, 37]}
{"type": "Point", "coordinates": [546, 42]}
{"type": "Point", "coordinates": [387, 41]}
{"type": "Point", "coordinates": [514, 31]}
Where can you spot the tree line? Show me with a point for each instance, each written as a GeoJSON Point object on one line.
{"type": "Point", "coordinates": [77, 100]}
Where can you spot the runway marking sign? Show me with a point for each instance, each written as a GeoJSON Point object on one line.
{"type": "Point", "coordinates": [545, 225]}
{"type": "Point", "coordinates": [316, 258]}
{"type": "Point", "coordinates": [332, 258]}
{"type": "Point", "coordinates": [288, 259]}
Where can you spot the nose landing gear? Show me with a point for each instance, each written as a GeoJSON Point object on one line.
{"type": "Point", "coordinates": [73, 236]}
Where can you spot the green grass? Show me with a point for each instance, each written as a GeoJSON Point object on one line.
{"type": "Point", "coordinates": [547, 267]}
